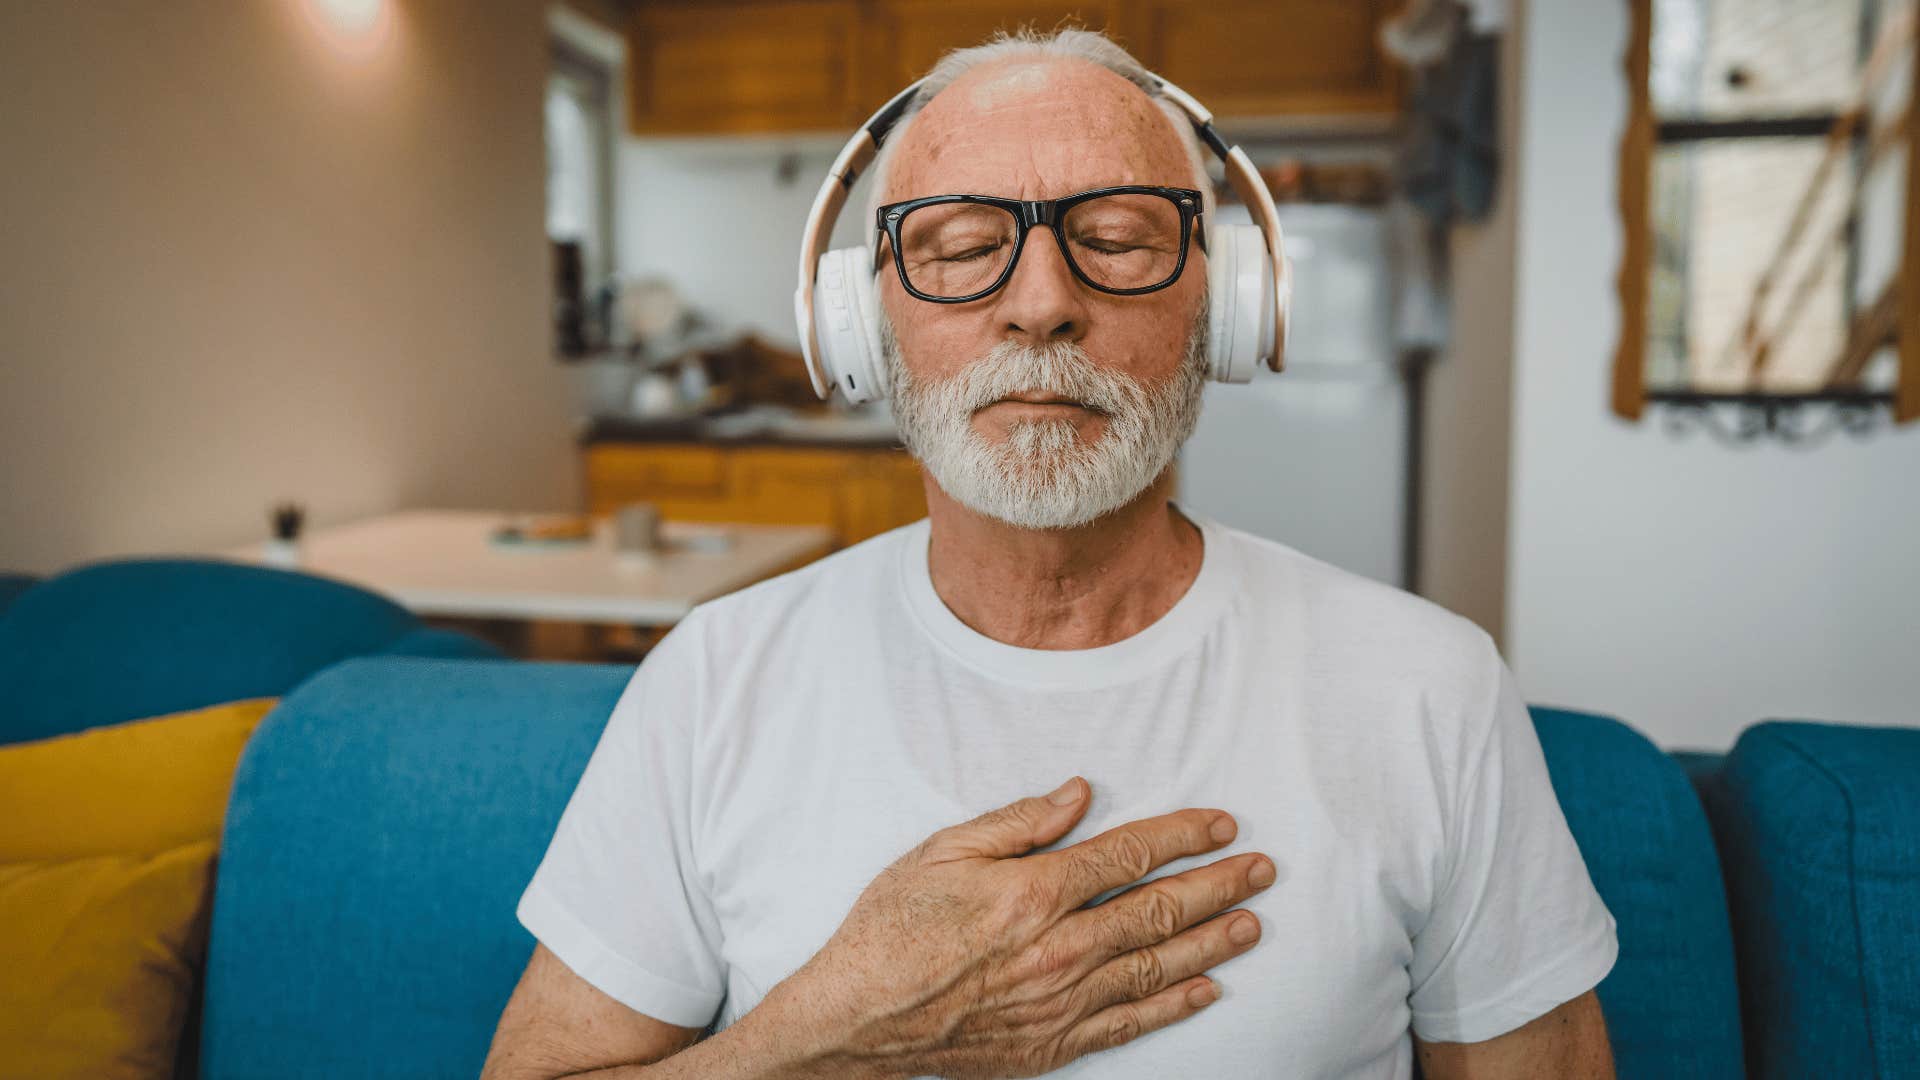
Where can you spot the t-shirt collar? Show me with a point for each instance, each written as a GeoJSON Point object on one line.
{"type": "Point", "coordinates": [1180, 628]}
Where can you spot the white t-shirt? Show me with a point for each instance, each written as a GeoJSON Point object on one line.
{"type": "Point", "coordinates": [785, 743]}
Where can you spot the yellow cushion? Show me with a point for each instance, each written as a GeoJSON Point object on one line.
{"type": "Point", "coordinates": [98, 962]}
{"type": "Point", "coordinates": [137, 788]}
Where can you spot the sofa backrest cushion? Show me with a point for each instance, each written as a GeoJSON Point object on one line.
{"type": "Point", "coordinates": [1672, 1000]}
{"type": "Point", "coordinates": [12, 585]}
{"type": "Point", "coordinates": [129, 638]}
{"type": "Point", "coordinates": [117, 640]}
{"type": "Point", "coordinates": [1819, 832]}
{"type": "Point", "coordinates": [383, 823]}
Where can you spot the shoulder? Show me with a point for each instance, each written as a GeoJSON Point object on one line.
{"type": "Point", "coordinates": [1352, 611]}
{"type": "Point", "coordinates": [1368, 636]}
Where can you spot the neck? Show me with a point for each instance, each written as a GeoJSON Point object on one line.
{"type": "Point", "coordinates": [1077, 588]}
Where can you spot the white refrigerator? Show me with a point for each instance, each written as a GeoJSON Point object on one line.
{"type": "Point", "coordinates": [1315, 456]}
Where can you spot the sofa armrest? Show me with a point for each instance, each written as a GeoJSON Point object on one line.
{"type": "Point", "coordinates": [384, 820]}
{"type": "Point", "coordinates": [1672, 1001]}
{"type": "Point", "coordinates": [1816, 825]}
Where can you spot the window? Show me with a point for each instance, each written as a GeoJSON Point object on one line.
{"type": "Point", "coordinates": [579, 129]}
{"type": "Point", "coordinates": [1764, 184]}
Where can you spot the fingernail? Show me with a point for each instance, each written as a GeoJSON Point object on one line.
{"type": "Point", "coordinates": [1202, 994]}
{"type": "Point", "coordinates": [1243, 930]}
{"type": "Point", "coordinates": [1260, 875]}
{"type": "Point", "coordinates": [1223, 828]}
{"type": "Point", "coordinates": [1065, 794]}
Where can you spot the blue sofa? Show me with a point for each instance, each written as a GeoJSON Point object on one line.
{"type": "Point", "coordinates": [1818, 829]}
{"type": "Point", "coordinates": [122, 639]}
{"type": "Point", "coordinates": [385, 817]}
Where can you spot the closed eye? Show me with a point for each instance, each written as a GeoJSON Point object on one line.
{"type": "Point", "coordinates": [972, 254]}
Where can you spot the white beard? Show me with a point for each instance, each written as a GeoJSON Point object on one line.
{"type": "Point", "coordinates": [1043, 476]}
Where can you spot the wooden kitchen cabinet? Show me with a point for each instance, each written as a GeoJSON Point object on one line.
{"type": "Point", "coordinates": [736, 66]}
{"type": "Point", "coordinates": [1261, 58]}
{"type": "Point", "coordinates": [856, 492]}
{"type": "Point", "coordinates": [906, 37]}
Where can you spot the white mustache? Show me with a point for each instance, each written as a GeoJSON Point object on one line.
{"type": "Point", "coordinates": [1042, 475]}
{"type": "Point", "coordinates": [1058, 369]}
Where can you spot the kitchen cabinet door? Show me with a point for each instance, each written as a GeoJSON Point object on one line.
{"type": "Point", "coordinates": [856, 492]}
{"type": "Point", "coordinates": [742, 66]}
{"type": "Point", "coordinates": [1269, 58]}
{"type": "Point", "coordinates": [907, 36]}
{"type": "Point", "coordinates": [736, 66]}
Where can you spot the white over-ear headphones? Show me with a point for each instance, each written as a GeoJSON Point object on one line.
{"type": "Point", "coordinates": [1248, 279]}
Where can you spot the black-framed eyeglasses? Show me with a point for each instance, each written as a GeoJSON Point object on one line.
{"type": "Point", "coordinates": [1124, 240]}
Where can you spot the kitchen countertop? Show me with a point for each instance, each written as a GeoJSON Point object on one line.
{"type": "Point", "coordinates": [446, 562]}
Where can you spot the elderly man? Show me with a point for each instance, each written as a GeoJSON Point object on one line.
{"type": "Point", "coordinates": [1307, 832]}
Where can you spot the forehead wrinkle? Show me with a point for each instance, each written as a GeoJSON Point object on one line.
{"type": "Point", "coordinates": [1031, 125]}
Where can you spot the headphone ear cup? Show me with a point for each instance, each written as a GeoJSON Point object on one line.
{"type": "Point", "coordinates": [866, 322]}
{"type": "Point", "coordinates": [1240, 298]}
{"type": "Point", "coordinates": [1221, 257]}
{"type": "Point", "coordinates": [847, 332]}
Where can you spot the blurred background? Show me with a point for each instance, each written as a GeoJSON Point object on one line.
{"type": "Point", "coordinates": [1607, 334]}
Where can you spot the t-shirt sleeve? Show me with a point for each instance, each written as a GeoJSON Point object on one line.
{"type": "Point", "coordinates": [617, 897]}
{"type": "Point", "coordinates": [1516, 928]}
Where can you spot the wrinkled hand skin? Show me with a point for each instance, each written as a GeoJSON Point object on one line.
{"type": "Point", "coordinates": [937, 979]}
{"type": "Point", "coordinates": [955, 960]}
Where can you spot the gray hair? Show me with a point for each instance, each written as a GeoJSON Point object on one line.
{"type": "Point", "coordinates": [1091, 46]}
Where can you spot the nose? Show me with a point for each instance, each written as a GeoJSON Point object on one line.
{"type": "Point", "coordinates": [1043, 301]}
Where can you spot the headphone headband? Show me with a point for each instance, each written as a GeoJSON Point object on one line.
{"type": "Point", "coordinates": [860, 151]}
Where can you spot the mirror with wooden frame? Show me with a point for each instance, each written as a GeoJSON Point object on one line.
{"type": "Point", "coordinates": [1770, 252]}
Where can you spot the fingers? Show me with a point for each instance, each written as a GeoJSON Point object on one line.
{"type": "Point", "coordinates": [1127, 1021]}
{"type": "Point", "coordinates": [1014, 829]}
{"type": "Point", "coordinates": [1146, 971]}
{"type": "Point", "coordinates": [1154, 912]}
{"type": "Point", "coordinates": [1127, 853]}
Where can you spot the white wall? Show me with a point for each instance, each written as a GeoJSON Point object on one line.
{"type": "Point", "coordinates": [717, 218]}
{"type": "Point", "coordinates": [1687, 587]}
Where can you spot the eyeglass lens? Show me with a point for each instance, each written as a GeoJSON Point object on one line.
{"type": "Point", "coordinates": [1120, 241]}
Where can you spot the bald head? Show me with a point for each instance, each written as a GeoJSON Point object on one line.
{"type": "Point", "coordinates": [1037, 129]}
{"type": "Point", "coordinates": [1081, 74]}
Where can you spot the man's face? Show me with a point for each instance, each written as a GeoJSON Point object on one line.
{"type": "Point", "coordinates": [1111, 383]}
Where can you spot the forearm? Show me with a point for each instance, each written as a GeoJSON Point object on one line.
{"type": "Point", "coordinates": [773, 1041]}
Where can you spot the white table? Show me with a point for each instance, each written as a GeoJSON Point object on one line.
{"type": "Point", "coordinates": [441, 562]}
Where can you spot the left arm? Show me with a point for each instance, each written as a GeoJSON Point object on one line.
{"type": "Point", "coordinates": [1569, 1043]}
